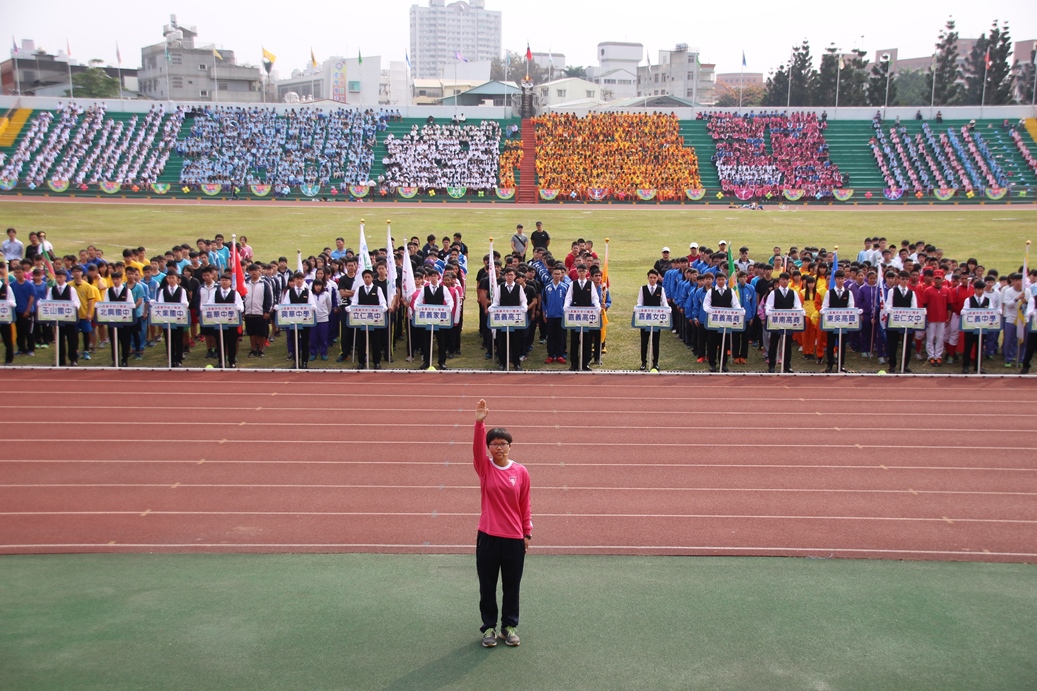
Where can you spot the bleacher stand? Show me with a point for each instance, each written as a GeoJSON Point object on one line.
{"type": "Point", "coordinates": [439, 156]}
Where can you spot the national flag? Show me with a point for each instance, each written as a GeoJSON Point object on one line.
{"type": "Point", "coordinates": [237, 273]}
{"type": "Point", "coordinates": [842, 63]}
{"type": "Point", "coordinates": [831, 269]}
{"type": "Point", "coordinates": [730, 266]}
{"type": "Point", "coordinates": [648, 57]}
{"type": "Point", "coordinates": [605, 279]}
{"type": "Point", "coordinates": [390, 264]}
{"type": "Point", "coordinates": [364, 254]}
{"type": "Point", "coordinates": [14, 46]}
{"type": "Point", "coordinates": [313, 58]}
{"type": "Point", "coordinates": [406, 57]}
{"type": "Point", "coordinates": [507, 63]}
{"type": "Point", "coordinates": [169, 58]}
{"type": "Point", "coordinates": [458, 56]}
{"type": "Point", "coordinates": [359, 57]}
{"type": "Point", "coordinates": [986, 58]}
{"type": "Point", "coordinates": [68, 48]}
{"type": "Point", "coordinates": [298, 261]}
{"type": "Point", "coordinates": [407, 277]}
{"type": "Point", "coordinates": [550, 58]}
{"type": "Point", "coordinates": [697, 61]}
{"type": "Point", "coordinates": [529, 53]}
{"type": "Point", "coordinates": [216, 54]}
{"type": "Point", "coordinates": [743, 58]}
{"type": "Point", "coordinates": [118, 55]}
{"type": "Point", "coordinates": [269, 57]}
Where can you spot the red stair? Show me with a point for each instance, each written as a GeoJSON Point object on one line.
{"type": "Point", "coordinates": [527, 188]}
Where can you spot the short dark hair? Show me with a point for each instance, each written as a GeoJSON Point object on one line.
{"type": "Point", "coordinates": [498, 433]}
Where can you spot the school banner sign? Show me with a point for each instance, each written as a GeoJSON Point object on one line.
{"type": "Point", "coordinates": [114, 313]}
{"type": "Point", "coordinates": [57, 311]}
{"type": "Point", "coordinates": [912, 318]}
{"type": "Point", "coordinates": [172, 314]}
{"type": "Point", "coordinates": [367, 316]}
{"type": "Point", "coordinates": [586, 318]}
{"type": "Point", "coordinates": [720, 318]}
{"type": "Point", "coordinates": [219, 315]}
{"type": "Point", "coordinates": [432, 317]}
{"type": "Point", "coordinates": [295, 315]}
{"type": "Point", "coordinates": [841, 319]}
{"type": "Point", "coordinates": [6, 313]}
{"type": "Point", "coordinates": [652, 318]}
{"type": "Point", "coordinates": [980, 320]}
{"type": "Point", "coordinates": [508, 318]}
{"type": "Point", "coordinates": [787, 320]}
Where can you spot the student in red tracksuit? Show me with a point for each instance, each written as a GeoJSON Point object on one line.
{"type": "Point", "coordinates": [505, 528]}
{"type": "Point", "coordinates": [936, 300]}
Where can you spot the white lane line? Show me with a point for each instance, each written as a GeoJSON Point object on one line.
{"type": "Point", "coordinates": [559, 488]}
{"type": "Point", "coordinates": [425, 548]}
{"type": "Point", "coordinates": [597, 516]}
{"type": "Point", "coordinates": [537, 464]}
{"type": "Point", "coordinates": [424, 426]}
{"type": "Point", "coordinates": [525, 411]}
{"type": "Point", "coordinates": [434, 442]}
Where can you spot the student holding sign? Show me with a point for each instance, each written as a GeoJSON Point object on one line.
{"type": "Point", "coordinates": [509, 340]}
{"type": "Point", "coordinates": [119, 292]}
{"type": "Point", "coordinates": [66, 336]}
{"type": "Point", "coordinates": [174, 292]}
{"type": "Point", "coordinates": [580, 293]}
{"type": "Point", "coordinates": [434, 294]}
{"type": "Point", "coordinates": [836, 298]}
{"type": "Point", "coordinates": [718, 296]}
{"type": "Point", "coordinates": [781, 298]}
{"type": "Point", "coordinates": [978, 300]}
{"type": "Point", "coordinates": [369, 295]}
{"type": "Point", "coordinates": [900, 296]}
{"type": "Point", "coordinates": [226, 295]}
{"type": "Point", "coordinates": [7, 297]}
{"type": "Point", "coordinates": [299, 294]}
{"type": "Point", "coordinates": [651, 295]}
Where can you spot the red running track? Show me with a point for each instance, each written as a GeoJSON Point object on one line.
{"type": "Point", "coordinates": [621, 464]}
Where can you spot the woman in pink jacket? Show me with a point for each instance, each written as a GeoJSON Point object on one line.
{"type": "Point", "coordinates": [505, 528]}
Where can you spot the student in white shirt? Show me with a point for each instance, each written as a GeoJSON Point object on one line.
{"type": "Point", "coordinates": [781, 298]}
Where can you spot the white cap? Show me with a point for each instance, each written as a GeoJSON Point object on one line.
{"type": "Point", "coordinates": [666, 249]}
{"type": "Point", "coordinates": [722, 242]}
{"type": "Point", "coordinates": [693, 246]}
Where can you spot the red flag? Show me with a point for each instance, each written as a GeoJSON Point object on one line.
{"type": "Point", "coordinates": [529, 53]}
{"type": "Point", "coordinates": [239, 274]}
{"type": "Point", "coordinates": [986, 59]}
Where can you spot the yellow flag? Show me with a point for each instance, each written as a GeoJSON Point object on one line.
{"type": "Point", "coordinates": [268, 56]}
{"type": "Point", "coordinates": [313, 58]}
{"type": "Point", "coordinates": [216, 54]}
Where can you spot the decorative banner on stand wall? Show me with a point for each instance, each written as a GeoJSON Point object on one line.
{"type": "Point", "coordinates": [310, 190]}
{"type": "Point", "coordinates": [109, 187]}
{"type": "Point", "coordinates": [211, 189]}
{"type": "Point", "coordinates": [502, 192]}
{"type": "Point", "coordinates": [548, 195]}
{"type": "Point", "coordinates": [695, 194]}
{"type": "Point", "coordinates": [793, 195]}
{"type": "Point", "coordinates": [408, 192]}
{"type": "Point", "coordinates": [160, 187]}
{"type": "Point", "coordinates": [57, 185]}
{"type": "Point", "coordinates": [842, 195]}
{"type": "Point", "coordinates": [359, 191]}
{"type": "Point", "coordinates": [260, 190]}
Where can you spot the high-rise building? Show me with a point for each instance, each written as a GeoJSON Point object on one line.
{"type": "Point", "coordinates": [181, 69]}
{"type": "Point", "coordinates": [442, 34]}
{"type": "Point", "coordinates": [681, 73]}
{"type": "Point", "coordinates": [616, 72]}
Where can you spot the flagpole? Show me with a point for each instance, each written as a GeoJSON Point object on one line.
{"type": "Point", "coordinates": [71, 86]}
{"type": "Point", "coordinates": [788, 101]}
{"type": "Point", "coordinates": [838, 77]}
{"type": "Point", "coordinates": [741, 81]}
{"type": "Point", "coordinates": [17, 77]}
{"type": "Point", "coordinates": [118, 56]}
{"type": "Point", "coordinates": [982, 101]}
{"type": "Point", "coordinates": [215, 77]}
{"type": "Point", "coordinates": [932, 98]}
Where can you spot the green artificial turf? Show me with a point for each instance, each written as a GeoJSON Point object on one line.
{"type": "Point", "coordinates": [995, 235]}
{"type": "Point", "coordinates": [411, 622]}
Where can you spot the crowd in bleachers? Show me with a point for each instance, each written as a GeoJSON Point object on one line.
{"type": "Point", "coordinates": [798, 158]}
{"type": "Point", "coordinates": [91, 148]}
{"type": "Point", "coordinates": [510, 160]}
{"type": "Point", "coordinates": [251, 145]}
{"type": "Point", "coordinates": [439, 156]}
{"type": "Point", "coordinates": [618, 152]}
{"type": "Point", "coordinates": [1024, 150]}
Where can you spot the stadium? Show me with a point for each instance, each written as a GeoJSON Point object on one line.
{"type": "Point", "coordinates": [272, 527]}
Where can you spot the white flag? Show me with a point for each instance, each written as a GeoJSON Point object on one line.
{"type": "Point", "coordinates": [365, 254]}
{"type": "Point", "coordinates": [390, 264]}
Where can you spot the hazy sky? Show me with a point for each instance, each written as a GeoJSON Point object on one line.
{"type": "Point", "coordinates": [765, 30]}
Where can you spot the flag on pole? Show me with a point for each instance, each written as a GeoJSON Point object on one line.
{"type": "Point", "coordinates": [237, 273]}
{"type": "Point", "coordinates": [313, 58]}
{"type": "Point", "coordinates": [743, 58]}
{"type": "Point", "coordinates": [1023, 301]}
{"type": "Point", "coordinates": [298, 261]}
{"type": "Point", "coordinates": [216, 54]}
{"type": "Point", "coordinates": [407, 277]}
{"type": "Point", "coordinates": [529, 53]}
{"type": "Point", "coordinates": [14, 46]}
{"type": "Point", "coordinates": [507, 63]}
{"type": "Point", "coordinates": [605, 274]}
{"type": "Point", "coordinates": [364, 254]}
{"type": "Point", "coordinates": [986, 58]}
{"type": "Point", "coordinates": [269, 57]}
{"type": "Point", "coordinates": [169, 57]}
{"type": "Point", "coordinates": [842, 64]}
{"type": "Point", "coordinates": [390, 264]}
{"type": "Point", "coordinates": [68, 48]}
{"type": "Point", "coordinates": [359, 57]}
{"type": "Point", "coordinates": [550, 58]}
{"type": "Point", "coordinates": [730, 265]}
{"type": "Point", "coordinates": [492, 282]}
{"type": "Point", "coordinates": [118, 55]}
{"type": "Point", "coordinates": [458, 56]}
{"type": "Point", "coordinates": [406, 57]}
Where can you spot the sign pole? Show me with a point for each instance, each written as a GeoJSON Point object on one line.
{"type": "Point", "coordinates": [839, 359]}
{"type": "Point", "coordinates": [57, 351]}
{"type": "Point", "coordinates": [431, 342]}
{"type": "Point", "coordinates": [979, 352]}
{"type": "Point", "coordinates": [367, 347]}
{"type": "Point", "coordinates": [723, 337]}
{"type": "Point", "coordinates": [223, 361]}
{"type": "Point", "coordinates": [507, 349]}
{"type": "Point", "coordinates": [784, 364]}
{"type": "Point", "coordinates": [115, 344]}
{"type": "Point", "coordinates": [169, 344]}
{"type": "Point", "coordinates": [581, 350]}
{"type": "Point", "coordinates": [903, 354]}
{"type": "Point", "coordinates": [297, 346]}
{"type": "Point", "coordinates": [651, 349]}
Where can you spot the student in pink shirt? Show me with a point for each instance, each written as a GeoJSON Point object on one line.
{"type": "Point", "coordinates": [505, 528]}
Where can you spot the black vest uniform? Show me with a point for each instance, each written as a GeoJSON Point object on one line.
{"type": "Point", "coordinates": [434, 297]}
{"type": "Point", "coordinates": [972, 337]}
{"type": "Point", "coordinates": [347, 338]}
{"type": "Point", "coordinates": [304, 331]}
{"type": "Point", "coordinates": [894, 336]}
{"type": "Point", "coordinates": [368, 298]}
{"type": "Point", "coordinates": [230, 333]}
{"type": "Point", "coordinates": [509, 299]}
{"type": "Point", "coordinates": [176, 333]}
{"type": "Point", "coordinates": [835, 301]}
{"type": "Point", "coordinates": [781, 302]}
{"type": "Point", "coordinates": [581, 298]}
{"type": "Point", "coordinates": [714, 338]}
{"type": "Point", "coordinates": [125, 330]}
{"type": "Point", "coordinates": [66, 336]}
{"type": "Point", "coordinates": [649, 299]}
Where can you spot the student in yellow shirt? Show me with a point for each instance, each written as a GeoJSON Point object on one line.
{"type": "Point", "coordinates": [88, 297]}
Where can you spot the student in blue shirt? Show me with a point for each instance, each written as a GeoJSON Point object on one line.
{"type": "Point", "coordinates": [554, 310]}
{"type": "Point", "coordinates": [740, 339]}
{"type": "Point", "coordinates": [700, 316]}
